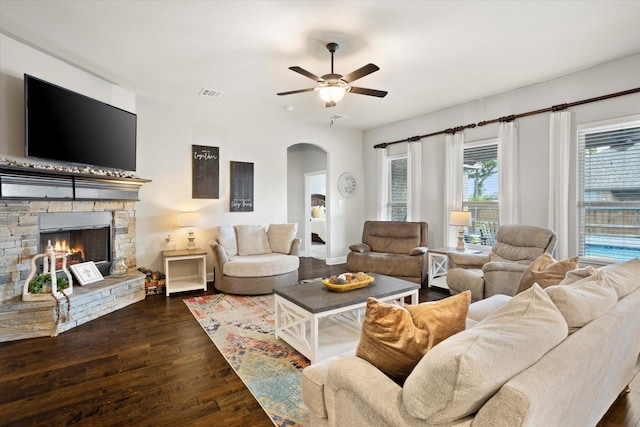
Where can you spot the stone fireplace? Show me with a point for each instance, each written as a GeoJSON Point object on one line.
{"type": "Point", "coordinates": [94, 230]}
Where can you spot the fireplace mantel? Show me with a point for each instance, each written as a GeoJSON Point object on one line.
{"type": "Point", "coordinates": [24, 183]}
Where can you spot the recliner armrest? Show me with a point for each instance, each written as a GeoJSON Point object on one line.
{"type": "Point", "coordinates": [360, 247]}
{"type": "Point", "coordinates": [504, 266]}
{"type": "Point", "coordinates": [464, 260]}
{"type": "Point", "coordinates": [420, 250]}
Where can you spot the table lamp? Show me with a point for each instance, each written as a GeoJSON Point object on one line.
{"type": "Point", "coordinates": [189, 219]}
{"type": "Point", "coordinates": [460, 219]}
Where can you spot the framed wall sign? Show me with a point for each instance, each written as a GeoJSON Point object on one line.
{"type": "Point", "coordinates": [241, 191]}
{"type": "Point", "coordinates": [205, 172]}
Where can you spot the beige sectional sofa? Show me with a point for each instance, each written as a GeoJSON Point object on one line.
{"type": "Point", "coordinates": [557, 356]}
{"type": "Point", "coordinates": [255, 259]}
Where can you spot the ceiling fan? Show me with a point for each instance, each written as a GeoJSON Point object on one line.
{"type": "Point", "coordinates": [332, 87]}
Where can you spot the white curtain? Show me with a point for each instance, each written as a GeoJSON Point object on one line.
{"type": "Point", "coordinates": [414, 181]}
{"type": "Point", "coordinates": [454, 157]}
{"type": "Point", "coordinates": [559, 161]}
{"type": "Point", "coordinates": [382, 184]}
{"type": "Point", "coordinates": [509, 173]}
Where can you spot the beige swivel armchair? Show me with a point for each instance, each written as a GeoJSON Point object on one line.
{"type": "Point", "coordinates": [499, 271]}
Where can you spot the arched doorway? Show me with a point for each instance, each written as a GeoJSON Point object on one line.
{"type": "Point", "coordinates": [306, 195]}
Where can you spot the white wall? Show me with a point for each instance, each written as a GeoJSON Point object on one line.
{"type": "Point", "coordinates": [533, 134]}
{"type": "Point", "coordinates": [165, 134]}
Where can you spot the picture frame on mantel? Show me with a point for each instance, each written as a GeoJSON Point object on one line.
{"type": "Point", "coordinates": [205, 172]}
{"type": "Point", "coordinates": [241, 187]}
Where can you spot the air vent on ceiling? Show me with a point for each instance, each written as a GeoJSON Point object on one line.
{"type": "Point", "coordinates": [211, 93]}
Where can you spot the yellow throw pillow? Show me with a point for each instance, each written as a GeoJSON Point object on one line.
{"type": "Point", "coordinates": [394, 338]}
{"type": "Point", "coordinates": [441, 318]}
{"type": "Point", "coordinates": [545, 271]}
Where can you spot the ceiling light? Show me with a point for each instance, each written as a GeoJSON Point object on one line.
{"type": "Point", "coordinates": [332, 93]}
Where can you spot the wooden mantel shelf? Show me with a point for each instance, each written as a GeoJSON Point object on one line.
{"type": "Point", "coordinates": [24, 183]}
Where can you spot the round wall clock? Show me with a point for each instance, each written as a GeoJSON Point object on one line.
{"type": "Point", "coordinates": [347, 185]}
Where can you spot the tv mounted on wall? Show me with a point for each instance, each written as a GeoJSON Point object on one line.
{"type": "Point", "coordinates": [69, 127]}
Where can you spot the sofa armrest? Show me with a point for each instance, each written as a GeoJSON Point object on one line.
{"type": "Point", "coordinates": [504, 266]}
{"type": "Point", "coordinates": [420, 250]}
{"type": "Point", "coordinates": [219, 254]}
{"type": "Point", "coordinates": [360, 247]}
{"type": "Point", "coordinates": [295, 247]}
{"type": "Point", "coordinates": [357, 393]}
{"type": "Point", "coordinates": [464, 260]}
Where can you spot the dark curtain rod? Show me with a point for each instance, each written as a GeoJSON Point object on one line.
{"type": "Point", "coordinates": [559, 107]}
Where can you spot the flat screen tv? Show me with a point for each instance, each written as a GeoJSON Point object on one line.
{"type": "Point", "coordinates": [69, 127]}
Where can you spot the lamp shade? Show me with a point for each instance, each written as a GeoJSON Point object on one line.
{"type": "Point", "coordinates": [460, 218]}
{"type": "Point", "coordinates": [188, 219]}
{"type": "Point", "coordinates": [333, 92]}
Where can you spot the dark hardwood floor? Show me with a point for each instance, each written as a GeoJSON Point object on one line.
{"type": "Point", "coordinates": [151, 364]}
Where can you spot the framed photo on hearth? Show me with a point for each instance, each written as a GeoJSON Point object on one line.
{"type": "Point", "coordinates": [86, 273]}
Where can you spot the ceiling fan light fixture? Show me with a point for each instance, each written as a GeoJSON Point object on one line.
{"type": "Point", "coordinates": [333, 93]}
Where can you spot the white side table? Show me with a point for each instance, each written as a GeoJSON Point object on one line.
{"type": "Point", "coordinates": [185, 270]}
{"type": "Point", "coordinates": [438, 265]}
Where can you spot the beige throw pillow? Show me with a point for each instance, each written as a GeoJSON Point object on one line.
{"type": "Point", "coordinates": [457, 377]}
{"type": "Point", "coordinates": [281, 237]}
{"type": "Point", "coordinates": [394, 339]}
{"type": "Point", "coordinates": [583, 301]}
{"type": "Point", "coordinates": [227, 238]}
{"type": "Point", "coordinates": [252, 240]}
{"type": "Point", "coordinates": [545, 271]}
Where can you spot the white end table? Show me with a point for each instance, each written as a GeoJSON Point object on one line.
{"type": "Point", "coordinates": [185, 270]}
{"type": "Point", "coordinates": [438, 264]}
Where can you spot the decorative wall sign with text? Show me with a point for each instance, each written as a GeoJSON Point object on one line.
{"type": "Point", "coordinates": [241, 197]}
{"type": "Point", "coordinates": [205, 172]}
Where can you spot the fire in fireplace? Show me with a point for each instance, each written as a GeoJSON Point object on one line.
{"type": "Point", "coordinates": [84, 236]}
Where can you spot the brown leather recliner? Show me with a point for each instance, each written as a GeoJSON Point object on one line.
{"type": "Point", "coordinates": [499, 271]}
{"type": "Point", "coordinates": [392, 248]}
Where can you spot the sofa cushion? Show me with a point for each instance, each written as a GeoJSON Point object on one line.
{"type": "Point", "coordinates": [460, 374]}
{"type": "Point", "coordinates": [577, 274]}
{"type": "Point", "coordinates": [260, 265]}
{"type": "Point", "coordinates": [281, 237]}
{"type": "Point", "coordinates": [441, 318]}
{"type": "Point", "coordinates": [623, 276]}
{"type": "Point", "coordinates": [227, 238]}
{"type": "Point", "coordinates": [394, 338]}
{"type": "Point", "coordinates": [583, 301]}
{"type": "Point", "coordinates": [545, 271]}
{"type": "Point", "coordinates": [252, 240]}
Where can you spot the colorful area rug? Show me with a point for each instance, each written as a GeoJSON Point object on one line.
{"type": "Point", "coordinates": [243, 330]}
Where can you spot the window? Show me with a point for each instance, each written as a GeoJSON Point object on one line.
{"type": "Point", "coordinates": [397, 198]}
{"type": "Point", "coordinates": [480, 191]}
{"type": "Point", "coordinates": [609, 192]}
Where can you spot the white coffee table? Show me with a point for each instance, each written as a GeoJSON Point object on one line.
{"type": "Point", "coordinates": [321, 323]}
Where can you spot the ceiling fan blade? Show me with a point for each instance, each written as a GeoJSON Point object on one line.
{"type": "Point", "coordinates": [291, 92]}
{"type": "Point", "coordinates": [360, 73]}
{"type": "Point", "coordinates": [306, 73]}
{"type": "Point", "coordinates": [370, 92]}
